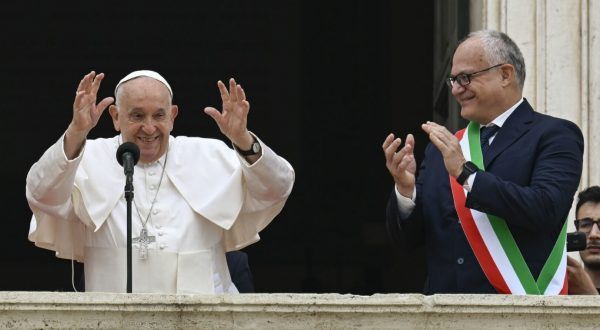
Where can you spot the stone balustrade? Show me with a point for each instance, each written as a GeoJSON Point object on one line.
{"type": "Point", "coordinates": [45, 310]}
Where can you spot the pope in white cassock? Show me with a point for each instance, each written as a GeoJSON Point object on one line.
{"type": "Point", "coordinates": [195, 198]}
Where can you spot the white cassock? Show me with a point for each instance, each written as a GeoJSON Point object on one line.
{"type": "Point", "coordinates": [210, 201]}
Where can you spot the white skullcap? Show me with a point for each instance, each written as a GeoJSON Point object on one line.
{"type": "Point", "coordinates": [144, 73]}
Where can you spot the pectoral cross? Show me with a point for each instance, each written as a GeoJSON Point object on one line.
{"type": "Point", "coordinates": [143, 240]}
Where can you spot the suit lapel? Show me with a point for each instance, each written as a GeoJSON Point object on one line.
{"type": "Point", "coordinates": [516, 125]}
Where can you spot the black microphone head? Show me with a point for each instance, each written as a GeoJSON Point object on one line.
{"type": "Point", "coordinates": [131, 148]}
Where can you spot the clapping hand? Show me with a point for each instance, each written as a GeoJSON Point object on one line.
{"type": "Point", "coordinates": [401, 164]}
{"type": "Point", "coordinates": [448, 146]}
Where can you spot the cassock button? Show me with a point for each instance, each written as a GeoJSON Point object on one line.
{"type": "Point", "coordinates": [151, 173]}
{"type": "Point", "coordinates": [160, 233]}
{"type": "Point", "coordinates": [152, 187]}
{"type": "Point", "coordinates": [162, 246]}
{"type": "Point", "coordinates": [460, 261]}
{"type": "Point", "coordinates": [155, 212]}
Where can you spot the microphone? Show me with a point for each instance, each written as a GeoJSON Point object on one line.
{"type": "Point", "coordinates": [128, 155]}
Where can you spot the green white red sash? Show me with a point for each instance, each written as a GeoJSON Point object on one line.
{"type": "Point", "coordinates": [494, 245]}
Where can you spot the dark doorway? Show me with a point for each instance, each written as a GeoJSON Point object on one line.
{"type": "Point", "coordinates": [327, 81]}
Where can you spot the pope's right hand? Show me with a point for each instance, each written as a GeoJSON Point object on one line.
{"type": "Point", "coordinates": [401, 163]}
{"type": "Point", "coordinates": [86, 112]}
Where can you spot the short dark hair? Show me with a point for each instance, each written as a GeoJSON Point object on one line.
{"type": "Point", "coordinates": [591, 194]}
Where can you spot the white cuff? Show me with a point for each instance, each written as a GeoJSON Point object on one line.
{"type": "Point", "coordinates": [469, 182]}
{"type": "Point", "coordinates": [405, 205]}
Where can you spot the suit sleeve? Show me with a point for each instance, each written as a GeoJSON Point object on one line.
{"type": "Point", "coordinates": [543, 203]}
{"type": "Point", "coordinates": [408, 233]}
{"type": "Point", "coordinates": [239, 270]}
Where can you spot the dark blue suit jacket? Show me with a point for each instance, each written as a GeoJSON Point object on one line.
{"type": "Point", "coordinates": [239, 270]}
{"type": "Point", "coordinates": [532, 172]}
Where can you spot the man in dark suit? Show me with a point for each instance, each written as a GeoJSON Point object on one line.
{"type": "Point", "coordinates": [490, 208]}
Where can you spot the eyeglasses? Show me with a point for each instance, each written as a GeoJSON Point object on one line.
{"type": "Point", "coordinates": [585, 225]}
{"type": "Point", "coordinates": [463, 79]}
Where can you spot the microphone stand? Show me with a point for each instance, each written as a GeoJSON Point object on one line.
{"type": "Point", "coordinates": [129, 198]}
{"type": "Point", "coordinates": [128, 154]}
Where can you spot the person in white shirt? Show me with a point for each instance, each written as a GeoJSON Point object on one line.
{"type": "Point", "coordinates": [195, 198]}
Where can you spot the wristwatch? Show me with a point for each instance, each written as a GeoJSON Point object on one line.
{"type": "Point", "coordinates": [254, 149]}
{"type": "Point", "coordinates": [468, 169]}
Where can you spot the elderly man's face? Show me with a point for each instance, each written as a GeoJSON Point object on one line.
{"type": "Point", "coordinates": [144, 115]}
{"type": "Point", "coordinates": [591, 255]}
{"type": "Point", "coordinates": [478, 99]}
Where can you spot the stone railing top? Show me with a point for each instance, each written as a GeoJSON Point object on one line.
{"type": "Point", "coordinates": [293, 311]}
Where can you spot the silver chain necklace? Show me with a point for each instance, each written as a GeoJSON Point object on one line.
{"type": "Point", "coordinates": [144, 239]}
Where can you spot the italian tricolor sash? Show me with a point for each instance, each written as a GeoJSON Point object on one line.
{"type": "Point", "coordinates": [494, 245]}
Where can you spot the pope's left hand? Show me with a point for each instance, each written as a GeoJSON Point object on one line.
{"type": "Point", "coordinates": [233, 120]}
{"type": "Point", "coordinates": [448, 145]}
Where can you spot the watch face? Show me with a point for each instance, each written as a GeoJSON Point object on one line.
{"type": "Point", "coordinates": [255, 147]}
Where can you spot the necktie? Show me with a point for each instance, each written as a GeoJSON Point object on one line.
{"type": "Point", "coordinates": [484, 137]}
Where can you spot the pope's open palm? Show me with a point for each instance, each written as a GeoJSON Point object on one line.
{"type": "Point", "coordinates": [233, 119]}
{"type": "Point", "coordinates": [86, 112]}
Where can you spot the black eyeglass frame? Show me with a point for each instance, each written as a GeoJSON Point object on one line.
{"type": "Point", "coordinates": [463, 79]}
{"type": "Point", "coordinates": [594, 222]}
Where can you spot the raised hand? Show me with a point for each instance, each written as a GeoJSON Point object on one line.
{"type": "Point", "coordinates": [86, 112]}
{"type": "Point", "coordinates": [448, 145]}
{"type": "Point", "coordinates": [233, 119]}
{"type": "Point", "coordinates": [401, 164]}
